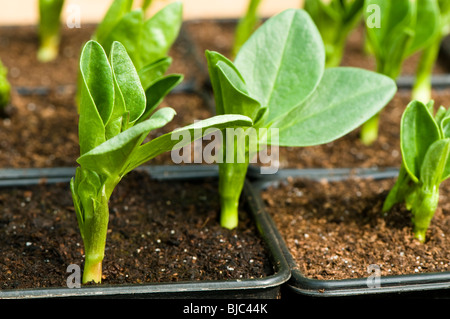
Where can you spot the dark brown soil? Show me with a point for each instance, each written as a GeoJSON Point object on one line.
{"type": "Point", "coordinates": [335, 230]}
{"type": "Point", "coordinates": [158, 232]}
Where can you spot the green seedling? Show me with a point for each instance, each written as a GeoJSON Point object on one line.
{"type": "Point", "coordinates": [396, 30]}
{"type": "Point", "coordinates": [116, 115]}
{"type": "Point", "coordinates": [279, 80]}
{"type": "Point", "coordinates": [335, 20]}
{"type": "Point", "coordinates": [5, 87]}
{"type": "Point", "coordinates": [425, 147]}
{"type": "Point", "coordinates": [146, 40]}
{"type": "Point", "coordinates": [49, 29]}
{"type": "Point", "coordinates": [422, 86]}
{"type": "Point", "coordinates": [246, 26]}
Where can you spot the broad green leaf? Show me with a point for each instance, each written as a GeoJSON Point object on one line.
{"type": "Point", "coordinates": [114, 14]}
{"type": "Point", "coordinates": [234, 98]}
{"type": "Point", "coordinates": [434, 167]}
{"type": "Point", "coordinates": [171, 141]}
{"type": "Point", "coordinates": [345, 99]}
{"type": "Point", "coordinates": [158, 91]}
{"type": "Point", "coordinates": [112, 158]}
{"type": "Point", "coordinates": [418, 131]}
{"type": "Point", "coordinates": [154, 71]}
{"type": "Point", "coordinates": [97, 96]}
{"type": "Point", "coordinates": [128, 82]}
{"type": "Point", "coordinates": [127, 31]}
{"type": "Point", "coordinates": [283, 61]}
{"type": "Point", "coordinates": [160, 32]}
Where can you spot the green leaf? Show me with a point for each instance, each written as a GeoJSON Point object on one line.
{"type": "Point", "coordinates": [345, 99]}
{"type": "Point", "coordinates": [128, 82]}
{"type": "Point", "coordinates": [154, 71]}
{"type": "Point", "coordinates": [127, 31]}
{"type": "Point", "coordinates": [160, 32]}
{"type": "Point", "coordinates": [234, 98]}
{"type": "Point", "coordinates": [114, 14]}
{"type": "Point", "coordinates": [418, 131]}
{"type": "Point", "coordinates": [171, 141]}
{"type": "Point", "coordinates": [427, 25]}
{"type": "Point", "coordinates": [97, 96]}
{"type": "Point", "coordinates": [158, 91]}
{"type": "Point", "coordinates": [213, 58]}
{"type": "Point", "coordinates": [283, 61]}
{"type": "Point", "coordinates": [112, 158]}
{"type": "Point", "coordinates": [435, 166]}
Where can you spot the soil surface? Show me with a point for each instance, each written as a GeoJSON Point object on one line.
{"type": "Point", "coordinates": [158, 232]}
{"type": "Point", "coordinates": [335, 230]}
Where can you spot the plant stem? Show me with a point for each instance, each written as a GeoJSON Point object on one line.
{"type": "Point", "coordinates": [91, 195]}
{"type": "Point", "coordinates": [369, 130]}
{"type": "Point", "coordinates": [231, 182]}
{"type": "Point", "coordinates": [246, 26]}
{"type": "Point", "coordinates": [423, 210]}
{"type": "Point", "coordinates": [335, 50]}
{"type": "Point", "coordinates": [94, 230]}
{"type": "Point", "coordinates": [422, 87]}
{"type": "Point", "coordinates": [48, 49]}
{"type": "Point", "coordinates": [146, 4]}
{"type": "Point", "coordinates": [49, 29]}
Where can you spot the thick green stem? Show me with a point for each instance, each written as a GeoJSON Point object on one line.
{"type": "Point", "coordinates": [422, 86]}
{"type": "Point", "coordinates": [48, 49]}
{"type": "Point", "coordinates": [5, 87]}
{"type": "Point", "coordinates": [369, 130]}
{"type": "Point", "coordinates": [246, 26]}
{"type": "Point", "coordinates": [335, 49]}
{"type": "Point", "coordinates": [426, 202]}
{"type": "Point", "coordinates": [91, 195]}
{"type": "Point", "coordinates": [49, 29]}
{"type": "Point", "coordinates": [146, 4]}
{"type": "Point", "coordinates": [231, 182]}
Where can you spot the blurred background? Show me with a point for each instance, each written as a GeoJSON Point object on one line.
{"type": "Point", "coordinates": [24, 12]}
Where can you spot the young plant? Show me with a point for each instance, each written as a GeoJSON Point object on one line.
{"type": "Point", "coordinates": [282, 85]}
{"type": "Point", "coordinates": [422, 86]}
{"type": "Point", "coordinates": [425, 147]}
{"type": "Point", "coordinates": [116, 115]}
{"type": "Point", "coordinates": [49, 29]}
{"type": "Point", "coordinates": [146, 40]}
{"type": "Point", "coordinates": [335, 20]}
{"type": "Point", "coordinates": [5, 87]}
{"type": "Point", "coordinates": [246, 26]}
{"type": "Point", "coordinates": [396, 30]}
